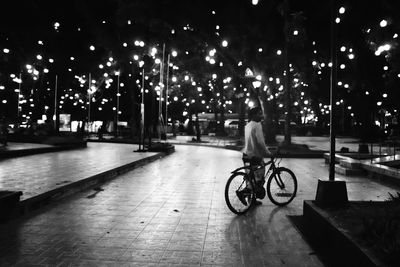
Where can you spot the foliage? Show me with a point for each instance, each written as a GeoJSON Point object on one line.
{"type": "Point", "coordinates": [382, 231]}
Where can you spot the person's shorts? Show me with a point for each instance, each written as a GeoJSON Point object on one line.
{"type": "Point", "coordinates": [254, 161]}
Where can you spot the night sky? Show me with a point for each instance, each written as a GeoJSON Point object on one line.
{"type": "Point", "coordinates": [65, 31]}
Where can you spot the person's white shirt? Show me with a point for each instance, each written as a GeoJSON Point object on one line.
{"type": "Point", "coordinates": [254, 140]}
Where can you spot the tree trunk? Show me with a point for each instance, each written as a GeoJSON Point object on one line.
{"type": "Point", "coordinates": [190, 125]}
{"type": "Point", "coordinates": [268, 126]}
{"type": "Point", "coordinates": [198, 133]}
{"type": "Point", "coordinates": [285, 9]}
{"type": "Point", "coordinates": [242, 115]}
{"type": "Point", "coordinates": [222, 109]}
{"type": "Point", "coordinates": [288, 104]}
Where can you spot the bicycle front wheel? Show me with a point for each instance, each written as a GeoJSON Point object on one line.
{"type": "Point", "coordinates": [238, 196]}
{"type": "Point", "coordinates": [282, 186]}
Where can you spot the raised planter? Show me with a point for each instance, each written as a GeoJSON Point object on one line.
{"type": "Point", "coordinates": [337, 244]}
{"type": "Point", "coordinates": [9, 204]}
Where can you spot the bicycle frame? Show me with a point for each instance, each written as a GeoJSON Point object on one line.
{"type": "Point", "coordinates": [251, 169]}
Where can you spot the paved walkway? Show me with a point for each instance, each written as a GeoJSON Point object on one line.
{"type": "Point", "coordinates": [316, 143]}
{"type": "Point", "coordinates": [172, 212]}
{"type": "Point", "coordinates": [37, 174]}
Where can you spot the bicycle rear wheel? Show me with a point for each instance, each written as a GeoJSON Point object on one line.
{"type": "Point", "coordinates": [282, 186]}
{"type": "Point", "coordinates": [238, 197]}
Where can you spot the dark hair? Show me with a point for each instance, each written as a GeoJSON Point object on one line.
{"type": "Point", "coordinates": [253, 111]}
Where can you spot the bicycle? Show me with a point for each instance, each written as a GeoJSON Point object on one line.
{"type": "Point", "coordinates": [241, 188]}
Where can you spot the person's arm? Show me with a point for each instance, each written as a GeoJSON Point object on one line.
{"type": "Point", "coordinates": [261, 140]}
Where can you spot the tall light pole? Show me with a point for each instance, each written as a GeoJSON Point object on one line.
{"type": "Point", "coordinates": [117, 73]}
{"type": "Point", "coordinates": [333, 78]}
{"type": "Point", "coordinates": [56, 116]}
{"type": "Point", "coordinates": [142, 115]}
{"type": "Point", "coordinates": [166, 98]}
{"type": "Point", "coordinates": [19, 94]}
{"type": "Point", "coordinates": [331, 192]}
{"type": "Point", "coordinates": [89, 96]}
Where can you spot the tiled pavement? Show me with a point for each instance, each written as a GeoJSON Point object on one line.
{"type": "Point", "coordinates": [319, 143]}
{"type": "Point", "coordinates": [37, 174]}
{"type": "Point", "coordinates": [171, 213]}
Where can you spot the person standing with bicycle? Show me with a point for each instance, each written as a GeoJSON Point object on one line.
{"type": "Point", "coordinates": [255, 148]}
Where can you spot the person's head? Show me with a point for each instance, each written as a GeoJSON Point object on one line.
{"type": "Point", "coordinates": [255, 114]}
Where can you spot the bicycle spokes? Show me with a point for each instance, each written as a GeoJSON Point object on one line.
{"type": "Point", "coordinates": [282, 186]}
{"type": "Point", "coordinates": [238, 196]}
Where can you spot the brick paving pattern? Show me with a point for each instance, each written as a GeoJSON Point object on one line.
{"type": "Point", "coordinates": [172, 213]}
{"type": "Point", "coordinates": [36, 174]}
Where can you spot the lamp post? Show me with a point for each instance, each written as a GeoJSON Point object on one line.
{"type": "Point", "coordinates": [331, 192]}
{"type": "Point", "coordinates": [166, 98]}
{"type": "Point", "coordinates": [333, 84]}
{"type": "Point", "coordinates": [117, 115]}
{"type": "Point", "coordinates": [89, 96]}
{"type": "Point", "coordinates": [56, 116]}
{"type": "Point", "coordinates": [19, 94]}
{"type": "Point", "coordinates": [160, 116]}
{"type": "Point", "coordinates": [142, 114]}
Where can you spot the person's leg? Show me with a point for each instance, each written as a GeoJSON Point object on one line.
{"type": "Point", "coordinates": [259, 177]}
